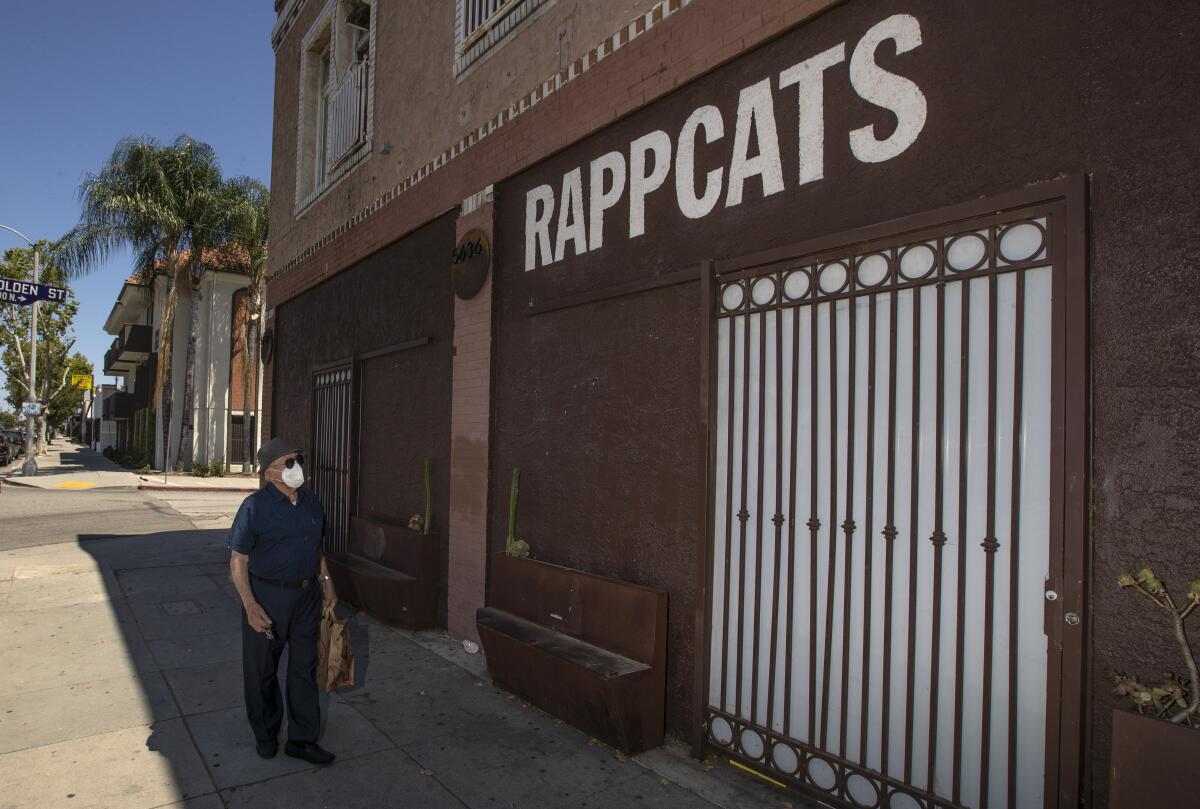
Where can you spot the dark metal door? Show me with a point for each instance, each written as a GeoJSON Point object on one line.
{"type": "Point", "coordinates": [237, 438]}
{"type": "Point", "coordinates": [330, 454]}
{"type": "Point", "coordinates": [886, 515]}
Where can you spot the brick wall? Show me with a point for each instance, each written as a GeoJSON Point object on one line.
{"type": "Point", "coordinates": [661, 58]}
{"type": "Point", "coordinates": [469, 445]}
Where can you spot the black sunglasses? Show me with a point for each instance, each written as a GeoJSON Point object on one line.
{"type": "Point", "coordinates": [297, 459]}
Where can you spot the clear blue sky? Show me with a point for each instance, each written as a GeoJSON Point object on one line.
{"type": "Point", "coordinates": [77, 76]}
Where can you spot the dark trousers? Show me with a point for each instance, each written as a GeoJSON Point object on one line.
{"type": "Point", "coordinates": [296, 614]}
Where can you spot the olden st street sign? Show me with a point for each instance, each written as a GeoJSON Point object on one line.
{"type": "Point", "coordinates": [26, 292]}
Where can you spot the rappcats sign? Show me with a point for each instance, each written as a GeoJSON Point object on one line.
{"type": "Point", "coordinates": [570, 221]}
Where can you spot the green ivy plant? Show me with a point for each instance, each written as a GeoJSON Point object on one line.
{"type": "Point", "coordinates": [1174, 698]}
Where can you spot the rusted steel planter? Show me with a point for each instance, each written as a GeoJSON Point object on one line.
{"type": "Point", "coordinates": [390, 572]}
{"type": "Point", "coordinates": [587, 649]}
{"type": "Point", "coordinates": [1154, 763]}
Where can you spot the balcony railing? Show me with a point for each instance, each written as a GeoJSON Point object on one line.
{"type": "Point", "coordinates": [113, 364]}
{"type": "Point", "coordinates": [480, 15]}
{"type": "Point", "coordinates": [484, 23]}
{"type": "Point", "coordinates": [119, 405]}
{"type": "Point", "coordinates": [133, 343]}
{"type": "Point", "coordinates": [347, 118]}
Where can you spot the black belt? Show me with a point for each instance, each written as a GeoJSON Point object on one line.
{"type": "Point", "coordinates": [294, 584]}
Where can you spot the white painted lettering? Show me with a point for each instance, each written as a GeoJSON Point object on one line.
{"type": "Point", "coordinates": [752, 152]}
{"type": "Point", "coordinates": [539, 207]}
{"type": "Point", "coordinates": [895, 93]}
{"type": "Point", "coordinates": [809, 76]}
{"type": "Point", "coordinates": [693, 207]}
{"type": "Point", "coordinates": [571, 225]}
{"type": "Point", "coordinates": [756, 113]}
{"type": "Point", "coordinates": [641, 183]}
{"type": "Point", "coordinates": [600, 200]}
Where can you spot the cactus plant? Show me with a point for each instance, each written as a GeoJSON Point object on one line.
{"type": "Point", "coordinates": [428, 497]}
{"type": "Point", "coordinates": [512, 545]}
{"type": "Point", "coordinates": [1173, 699]}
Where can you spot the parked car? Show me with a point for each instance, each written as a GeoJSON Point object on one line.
{"type": "Point", "coordinates": [6, 454]}
{"type": "Point", "coordinates": [16, 442]}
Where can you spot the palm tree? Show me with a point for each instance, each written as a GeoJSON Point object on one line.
{"type": "Point", "coordinates": [208, 203]}
{"type": "Point", "coordinates": [160, 201]}
{"type": "Point", "coordinates": [249, 231]}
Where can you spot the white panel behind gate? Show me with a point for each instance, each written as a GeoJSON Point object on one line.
{"type": "Point", "coordinates": [854, 396]}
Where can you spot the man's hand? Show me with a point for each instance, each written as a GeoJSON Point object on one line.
{"type": "Point", "coordinates": [257, 617]}
{"type": "Point", "coordinates": [330, 595]}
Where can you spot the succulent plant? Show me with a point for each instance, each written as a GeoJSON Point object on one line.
{"type": "Point", "coordinates": [428, 498]}
{"type": "Point", "coordinates": [512, 545]}
{"type": "Point", "coordinates": [1175, 699]}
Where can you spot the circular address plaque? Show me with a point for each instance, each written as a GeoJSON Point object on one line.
{"type": "Point", "coordinates": [469, 267]}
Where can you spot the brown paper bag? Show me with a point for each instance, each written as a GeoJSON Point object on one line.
{"type": "Point", "coordinates": [335, 658]}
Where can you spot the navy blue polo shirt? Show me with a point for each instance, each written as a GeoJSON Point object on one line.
{"type": "Point", "coordinates": [282, 540]}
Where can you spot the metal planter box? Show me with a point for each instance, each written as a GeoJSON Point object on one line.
{"type": "Point", "coordinates": [1154, 763]}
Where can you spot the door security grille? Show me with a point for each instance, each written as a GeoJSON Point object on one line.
{"type": "Point", "coordinates": [882, 533]}
{"type": "Point", "coordinates": [330, 455]}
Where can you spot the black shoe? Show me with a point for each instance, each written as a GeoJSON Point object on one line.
{"type": "Point", "coordinates": [309, 751]}
{"type": "Point", "coordinates": [267, 749]}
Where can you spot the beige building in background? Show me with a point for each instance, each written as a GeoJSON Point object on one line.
{"type": "Point", "coordinates": [220, 416]}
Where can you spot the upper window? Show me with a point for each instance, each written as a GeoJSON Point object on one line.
{"type": "Point", "coordinates": [336, 77]}
{"type": "Point", "coordinates": [481, 24]}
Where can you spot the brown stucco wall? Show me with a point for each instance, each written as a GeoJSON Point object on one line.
{"type": "Point", "coordinates": [1141, 124]}
{"type": "Point", "coordinates": [397, 295]}
{"type": "Point", "coordinates": [415, 81]}
{"type": "Point", "coordinates": [599, 405]}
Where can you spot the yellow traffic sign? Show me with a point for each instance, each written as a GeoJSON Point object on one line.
{"type": "Point", "coordinates": [81, 381]}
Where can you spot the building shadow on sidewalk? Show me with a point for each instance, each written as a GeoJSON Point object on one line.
{"type": "Point", "coordinates": [415, 729]}
{"type": "Point", "coordinates": [180, 620]}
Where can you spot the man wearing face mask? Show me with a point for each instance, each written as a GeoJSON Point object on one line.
{"type": "Point", "coordinates": [279, 571]}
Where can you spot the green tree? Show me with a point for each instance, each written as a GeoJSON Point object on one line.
{"type": "Point", "coordinates": [8, 420]}
{"type": "Point", "coordinates": [67, 400]}
{"type": "Point", "coordinates": [249, 221]}
{"type": "Point", "coordinates": [55, 341]}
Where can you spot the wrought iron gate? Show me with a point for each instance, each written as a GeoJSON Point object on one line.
{"type": "Point", "coordinates": [885, 458]}
{"type": "Point", "coordinates": [330, 455]}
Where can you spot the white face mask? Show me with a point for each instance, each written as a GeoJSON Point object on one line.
{"type": "Point", "coordinates": [293, 477]}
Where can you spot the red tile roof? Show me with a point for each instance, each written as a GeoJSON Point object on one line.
{"type": "Point", "coordinates": [227, 258]}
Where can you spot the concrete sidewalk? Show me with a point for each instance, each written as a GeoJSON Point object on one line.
{"type": "Point", "coordinates": [121, 688]}
{"type": "Point", "coordinates": [71, 466]}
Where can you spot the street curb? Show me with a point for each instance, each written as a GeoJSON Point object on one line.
{"type": "Point", "coordinates": [152, 487]}
{"type": "Point", "coordinates": [24, 485]}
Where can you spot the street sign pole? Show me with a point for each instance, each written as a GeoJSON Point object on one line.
{"type": "Point", "coordinates": [30, 466]}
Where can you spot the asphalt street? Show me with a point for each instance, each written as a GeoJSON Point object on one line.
{"type": "Point", "coordinates": [31, 517]}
